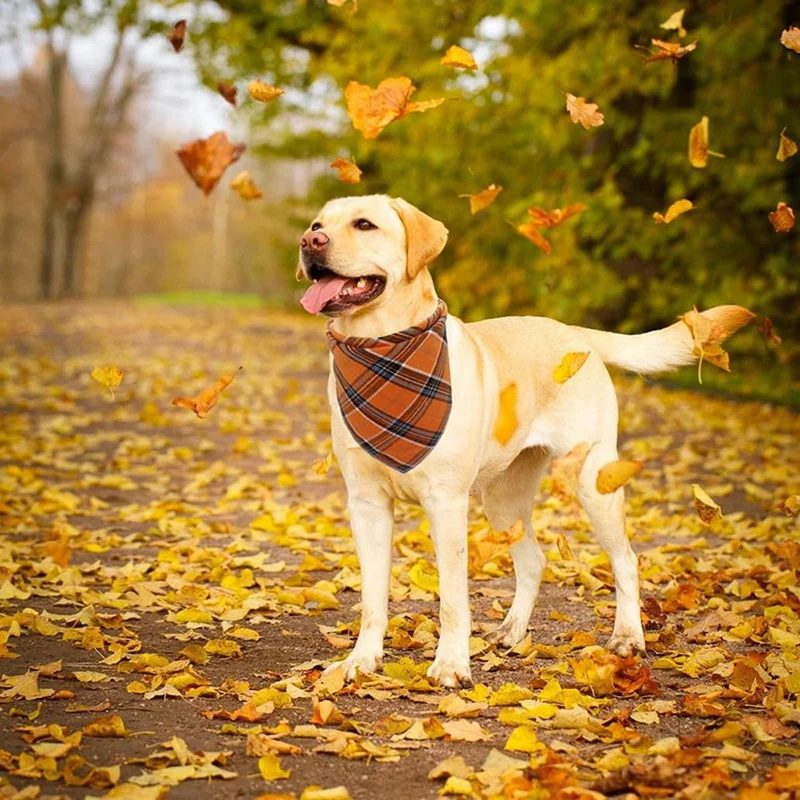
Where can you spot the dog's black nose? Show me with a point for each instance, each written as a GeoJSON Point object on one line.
{"type": "Point", "coordinates": [314, 240]}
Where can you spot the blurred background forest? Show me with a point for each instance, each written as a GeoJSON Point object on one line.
{"type": "Point", "coordinates": [94, 203]}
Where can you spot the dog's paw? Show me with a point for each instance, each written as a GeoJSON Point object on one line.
{"type": "Point", "coordinates": [508, 634]}
{"type": "Point", "coordinates": [450, 673]}
{"type": "Point", "coordinates": [626, 643]}
{"type": "Point", "coordinates": [354, 664]}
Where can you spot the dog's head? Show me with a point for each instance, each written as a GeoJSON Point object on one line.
{"type": "Point", "coordinates": [359, 251]}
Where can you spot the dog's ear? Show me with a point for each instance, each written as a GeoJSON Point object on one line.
{"type": "Point", "coordinates": [298, 273]}
{"type": "Point", "coordinates": [425, 236]}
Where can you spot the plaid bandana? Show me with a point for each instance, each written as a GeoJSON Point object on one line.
{"type": "Point", "coordinates": [394, 391]}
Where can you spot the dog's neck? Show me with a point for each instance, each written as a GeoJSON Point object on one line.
{"type": "Point", "coordinates": [408, 305]}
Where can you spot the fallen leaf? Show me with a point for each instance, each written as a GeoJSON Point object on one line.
{"type": "Point", "coordinates": [270, 768]}
{"type": "Point", "coordinates": [583, 112]}
{"type": "Point", "coordinates": [208, 398]}
{"type": "Point", "coordinates": [706, 508]}
{"type": "Point", "coordinates": [790, 39]}
{"type": "Point", "coordinates": [506, 423]}
{"type": "Point", "coordinates": [483, 199]}
{"type": "Point", "coordinates": [698, 145]}
{"type": "Point", "coordinates": [675, 210]}
{"type": "Point", "coordinates": [782, 218]}
{"type": "Point", "coordinates": [349, 171]}
{"type": "Point", "coordinates": [244, 185]}
{"type": "Point", "coordinates": [206, 159]}
{"type": "Point", "coordinates": [616, 474]}
{"type": "Point", "coordinates": [177, 35]}
{"type": "Point", "coordinates": [786, 147]}
{"type": "Point", "coordinates": [675, 23]}
{"type": "Point", "coordinates": [371, 110]}
{"type": "Point", "coordinates": [108, 377]}
{"type": "Point", "coordinates": [228, 91]}
{"type": "Point", "coordinates": [111, 726]}
{"type": "Point", "coordinates": [263, 92]}
{"type": "Point", "coordinates": [791, 505]}
{"type": "Point", "coordinates": [569, 366]}
{"type": "Point", "coordinates": [459, 58]}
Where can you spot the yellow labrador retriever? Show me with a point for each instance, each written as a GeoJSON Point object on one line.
{"type": "Point", "coordinates": [368, 258]}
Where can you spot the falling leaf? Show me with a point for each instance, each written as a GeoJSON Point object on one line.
{"type": "Point", "coordinates": [483, 199]}
{"type": "Point", "coordinates": [206, 159]}
{"type": "Point", "coordinates": [353, 9]}
{"type": "Point", "coordinates": [322, 467]}
{"type": "Point", "coordinates": [766, 329]}
{"type": "Point", "coordinates": [675, 23]}
{"type": "Point", "coordinates": [371, 110]}
{"type": "Point", "coordinates": [228, 91]}
{"type": "Point", "coordinates": [698, 145]}
{"type": "Point", "coordinates": [708, 334]}
{"type": "Point", "coordinates": [556, 217]}
{"type": "Point", "coordinates": [244, 185]}
{"type": "Point", "coordinates": [459, 58]}
{"type": "Point", "coordinates": [564, 549]}
{"type": "Point", "coordinates": [569, 365]}
{"type": "Point", "coordinates": [790, 39]}
{"type": "Point", "coordinates": [263, 92]}
{"type": "Point", "coordinates": [530, 230]}
{"type": "Point", "coordinates": [270, 768]}
{"type": "Point", "coordinates": [672, 50]}
{"type": "Point", "coordinates": [177, 35]}
{"type": "Point", "coordinates": [108, 377]}
{"type": "Point", "coordinates": [349, 171]}
{"type": "Point", "coordinates": [506, 422]}
{"type": "Point", "coordinates": [583, 112]}
{"type": "Point", "coordinates": [675, 210]}
{"type": "Point", "coordinates": [111, 726]}
{"type": "Point", "coordinates": [706, 508]}
{"type": "Point", "coordinates": [208, 398]}
{"type": "Point", "coordinates": [616, 474]}
{"type": "Point", "coordinates": [782, 218]}
{"type": "Point", "coordinates": [786, 147]}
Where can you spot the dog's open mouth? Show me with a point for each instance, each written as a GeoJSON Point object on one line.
{"type": "Point", "coordinates": [332, 293]}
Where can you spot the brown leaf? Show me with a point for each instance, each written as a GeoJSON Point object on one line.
{"type": "Point", "coordinates": [782, 218]}
{"type": "Point", "coordinates": [206, 159]}
{"type": "Point", "coordinates": [708, 334]}
{"type": "Point", "coordinates": [786, 147]}
{"type": "Point", "coordinates": [790, 39]}
{"type": "Point", "coordinates": [244, 185]}
{"type": "Point", "coordinates": [371, 110]}
{"type": "Point", "coordinates": [483, 199]}
{"type": "Point", "coordinates": [766, 330]}
{"type": "Point", "coordinates": [208, 398]}
{"type": "Point", "coordinates": [583, 112]}
{"type": "Point", "coordinates": [556, 217]}
{"type": "Point", "coordinates": [707, 509]}
{"type": "Point", "coordinates": [673, 50]}
{"type": "Point", "coordinates": [263, 92]}
{"type": "Point", "coordinates": [228, 91]}
{"type": "Point", "coordinates": [349, 171]}
{"type": "Point", "coordinates": [616, 474]}
{"type": "Point", "coordinates": [177, 35]}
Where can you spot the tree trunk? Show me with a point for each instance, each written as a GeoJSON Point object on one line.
{"type": "Point", "coordinates": [75, 220]}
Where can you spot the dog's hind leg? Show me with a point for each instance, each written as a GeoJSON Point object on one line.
{"type": "Point", "coordinates": [508, 498]}
{"type": "Point", "coordinates": [607, 514]}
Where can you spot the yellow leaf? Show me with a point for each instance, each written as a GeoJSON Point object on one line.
{"type": "Point", "coordinates": [509, 694]}
{"type": "Point", "coordinates": [675, 210]}
{"type": "Point", "coordinates": [244, 185]}
{"type": "Point", "coordinates": [706, 508]}
{"type": "Point", "coordinates": [791, 505]}
{"type": "Point", "coordinates": [698, 145]}
{"type": "Point", "coordinates": [263, 92]}
{"type": "Point", "coordinates": [322, 466]}
{"type": "Point", "coordinates": [194, 615]}
{"type": "Point", "coordinates": [91, 677]}
{"type": "Point", "coordinates": [786, 148]}
{"type": "Point", "coordinates": [523, 739]}
{"type": "Point", "coordinates": [111, 726]}
{"type": "Point", "coordinates": [616, 474]}
{"type": "Point", "coordinates": [317, 793]}
{"type": "Point", "coordinates": [424, 575]}
{"type": "Point", "coordinates": [223, 647]}
{"type": "Point", "coordinates": [348, 170]}
{"type": "Point", "coordinates": [563, 547]}
{"type": "Point", "coordinates": [459, 58]}
{"type": "Point", "coordinates": [483, 199]}
{"type": "Point", "coordinates": [569, 365]}
{"type": "Point", "coordinates": [108, 377]}
{"type": "Point", "coordinates": [583, 112]}
{"type": "Point", "coordinates": [270, 768]}
{"type": "Point", "coordinates": [507, 422]}
{"type": "Point", "coordinates": [195, 654]}
{"type": "Point", "coordinates": [675, 23]}
{"type": "Point", "coordinates": [456, 786]}
{"type": "Point", "coordinates": [790, 39]}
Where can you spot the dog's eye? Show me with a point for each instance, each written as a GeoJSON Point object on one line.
{"type": "Point", "coordinates": [364, 225]}
{"type": "Point", "coordinates": [316, 226]}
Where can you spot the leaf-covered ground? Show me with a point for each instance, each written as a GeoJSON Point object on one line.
{"type": "Point", "coordinates": [171, 586]}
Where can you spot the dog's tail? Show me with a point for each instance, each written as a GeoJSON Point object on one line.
{"type": "Point", "coordinates": [665, 349]}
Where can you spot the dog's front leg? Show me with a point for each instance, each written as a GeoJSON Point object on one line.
{"type": "Point", "coordinates": [448, 518]}
{"type": "Point", "coordinates": [372, 521]}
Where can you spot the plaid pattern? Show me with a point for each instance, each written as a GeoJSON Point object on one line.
{"type": "Point", "coordinates": [394, 391]}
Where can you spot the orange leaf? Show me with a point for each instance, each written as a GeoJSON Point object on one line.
{"type": "Point", "coordinates": [790, 39]}
{"type": "Point", "coordinates": [483, 199]}
{"type": "Point", "coordinates": [208, 398]}
{"type": "Point", "coordinates": [206, 159]}
{"type": "Point", "coordinates": [348, 170]}
{"type": "Point", "coordinates": [616, 474]}
{"type": "Point", "coordinates": [672, 50]}
{"type": "Point", "coordinates": [675, 210]}
{"type": "Point", "coordinates": [782, 218]}
{"type": "Point", "coordinates": [556, 217]}
{"type": "Point", "coordinates": [766, 330]}
{"type": "Point", "coordinates": [177, 35]}
{"type": "Point", "coordinates": [244, 185]}
{"type": "Point", "coordinates": [583, 112]}
{"type": "Point", "coordinates": [531, 232]}
{"type": "Point", "coordinates": [698, 145]}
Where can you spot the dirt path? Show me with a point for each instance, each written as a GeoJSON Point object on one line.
{"type": "Point", "coordinates": [177, 568]}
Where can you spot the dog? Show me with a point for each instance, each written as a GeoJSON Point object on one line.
{"type": "Point", "coordinates": [369, 259]}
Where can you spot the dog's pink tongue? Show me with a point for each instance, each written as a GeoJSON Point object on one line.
{"type": "Point", "coordinates": [319, 293]}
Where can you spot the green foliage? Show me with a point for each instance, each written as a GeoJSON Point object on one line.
{"type": "Point", "coordinates": [507, 124]}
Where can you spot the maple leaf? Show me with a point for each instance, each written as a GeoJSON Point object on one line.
{"type": "Point", "coordinates": [459, 58]}
{"type": "Point", "coordinates": [244, 185]}
{"type": "Point", "coordinates": [583, 112]}
{"type": "Point", "coordinates": [208, 398]}
{"type": "Point", "coordinates": [108, 377]}
{"type": "Point", "coordinates": [616, 474]}
{"type": "Point", "coordinates": [177, 35]}
{"type": "Point", "coordinates": [506, 423]}
{"type": "Point", "coordinates": [782, 218]}
{"type": "Point", "coordinates": [790, 39]}
{"type": "Point", "coordinates": [675, 210]}
{"type": "Point", "coordinates": [483, 199]}
{"type": "Point", "coordinates": [671, 50]}
{"type": "Point", "coordinates": [698, 145]}
{"type": "Point", "coordinates": [675, 23]}
{"type": "Point", "coordinates": [707, 335]}
{"type": "Point", "coordinates": [206, 159]}
{"type": "Point", "coordinates": [371, 110]}
{"type": "Point", "coordinates": [569, 365]}
{"type": "Point", "coordinates": [263, 92]}
{"type": "Point", "coordinates": [706, 508]}
{"type": "Point", "coordinates": [228, 91]}
{"type": "Point", "coordinates": [348, 170]}
{"type": "Point", "coordinates": [786, 147]}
